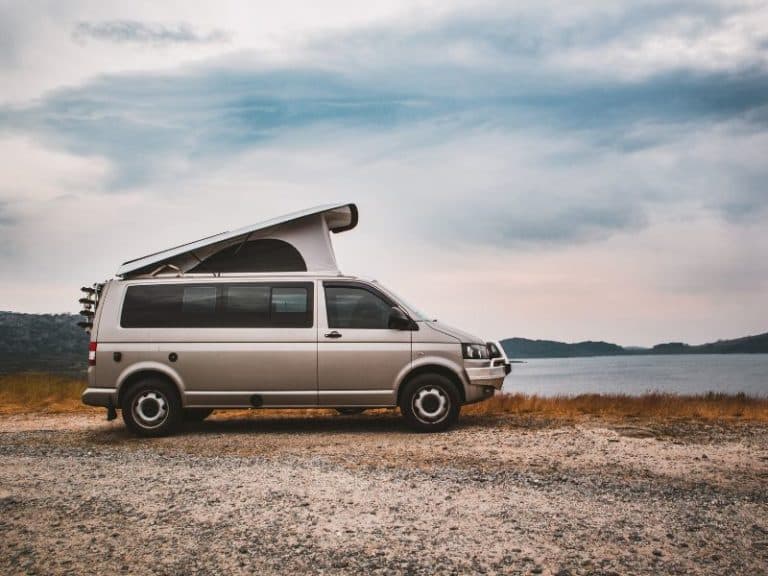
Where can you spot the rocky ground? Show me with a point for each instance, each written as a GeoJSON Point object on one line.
{"type": "Point", "coordinates": [362, 495]}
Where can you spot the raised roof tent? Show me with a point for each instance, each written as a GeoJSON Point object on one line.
{"type": "Point", "coordinates": [297, 242]}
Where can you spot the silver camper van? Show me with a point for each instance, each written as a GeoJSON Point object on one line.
{"type": "Point", "coordinates": [262, 317]}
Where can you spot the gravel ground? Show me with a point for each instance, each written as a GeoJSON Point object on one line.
{"type": "Point", "coordinates": [353, 495]}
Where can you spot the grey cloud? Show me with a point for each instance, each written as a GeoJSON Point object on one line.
{"type": "Point", "coordinates": [142, 123]}
{"type": "Point", "coordinates": [5, 217]}
{"type": "Point", "coordinates": [138, 121]}
{"type": "Point", "coordinates": [745, 199]}
{"type": "Point", "coordinates": [536, 220]}
{"type": "Point", "coordinates": [135, 32]}
{"type": "Point", "coordinates": [511, 35]}
{"type": "Point", "coordinates": [575, 223]}
{"type": "Point", "coordinates": [9, 36]}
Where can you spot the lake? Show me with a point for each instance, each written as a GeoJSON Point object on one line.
{"type": "Point", "coordinates": [684, 374]}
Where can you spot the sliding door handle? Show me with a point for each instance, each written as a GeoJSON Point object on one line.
{"type": "Point", "coordinates": [333, 334]}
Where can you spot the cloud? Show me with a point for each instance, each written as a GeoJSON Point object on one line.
{"type": "Point", "coordinates": [9, 36]}
{"type": "Point", "coordinates": [139, 120]}
{"type": "Point", "coordinates": [135, 32]}
{"type": "Point", "coordinates": [6, 219]}
{"type": "Point", "coordinates": [631, 40]}
{"type": "Point", "coordinates": [578, 221]}
{"type": "Point", "coordinates": [519, 75]}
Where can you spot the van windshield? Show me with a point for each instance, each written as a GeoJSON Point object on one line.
{"type": "Point", "coordinates": [414, 313]}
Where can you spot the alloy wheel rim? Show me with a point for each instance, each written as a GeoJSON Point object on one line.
{"type": "Point", "coordinates": [431, 404]}
{"type": "Point", "coordinates": [150, 409]}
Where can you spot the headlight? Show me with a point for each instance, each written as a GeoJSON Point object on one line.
{"type": "Point", "coordinates": [493, 350]}
{"type": "Point", "coordinates": [475, 351]}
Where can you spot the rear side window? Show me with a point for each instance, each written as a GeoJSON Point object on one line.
{"type": "Point", "coordinates": [219, 306]}
{"type": "Point", "coordinates": [198, 301]}
{"type": "Point", "coordinates": [245, 305]}
{"type": "Point", "coordinates": [353, 307]}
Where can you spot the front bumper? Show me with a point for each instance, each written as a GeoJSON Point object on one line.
{"type": "Point", "coordinates": [106, 397]}
{"type": "Point", "coordinates": [487, 372]}
{"type": "Point", "coordinates": [484, 377]}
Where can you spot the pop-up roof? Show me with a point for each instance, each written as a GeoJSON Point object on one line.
{"type": "Point", "coordinates": [298, 242]}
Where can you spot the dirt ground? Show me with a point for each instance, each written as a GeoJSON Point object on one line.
{"type": "Point", "coordinates": [363, 495]}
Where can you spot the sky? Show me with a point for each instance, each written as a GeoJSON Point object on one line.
{"type": "Point", "coordinates": [550, 169]}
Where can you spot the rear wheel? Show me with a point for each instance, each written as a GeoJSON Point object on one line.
{"type": "Point", "coordinates": [430, 403]}
{"type": "Point", "coordinates": [151, 407]}
{"type": "Point", "coordinates": [196, 414]}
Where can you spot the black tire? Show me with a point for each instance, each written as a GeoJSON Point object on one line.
{"type": "Point", "coordinates": [350, 411]}
{"type": "Point", "coordinates": [196, 414]}
{"type": "Point", "coordinates": [151, 407]}
{"type": "Point", "coordinates": [430, 403]}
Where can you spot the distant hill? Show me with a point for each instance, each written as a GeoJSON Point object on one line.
{"type": "Point", "coordinates": [525, 348]}
{"type": "Point", "coordinates": [747, 345]}
{"type": "Point", "coordinates": [42, 343]}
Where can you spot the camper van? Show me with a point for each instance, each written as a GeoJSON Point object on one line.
{"type": "Point", "coordinates": [262, 317]}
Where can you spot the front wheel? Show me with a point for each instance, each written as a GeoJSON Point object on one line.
{"type": "Point", "coordinates": [151, 407]}
{"type": "Point", "coordinates": [430, 403]}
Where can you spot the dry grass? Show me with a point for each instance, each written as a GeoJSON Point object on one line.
{"type": "Point", "coordinates": [49, 393]}
{"type": "Point", "coordinates": [35, 392]}
{"type": "Point", "coordinates": [656, 406]}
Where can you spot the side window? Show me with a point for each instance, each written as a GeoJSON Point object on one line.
{"type": "Point", "coordinates": [265, 306]}
{"type": "Point", "coordinates": [152, 306]}
{"type": "Point", "coordinates": [218, 306]}
{"type": "Point", "coordinates": [245, 305]}
{"type": "Point", "coordinates": [198, 301]}
{"type": "Point", "coordinates": [352, 307]}
{"type": "Point", "coordinates": [291, 306]}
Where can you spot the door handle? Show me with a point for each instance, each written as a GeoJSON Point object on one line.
{"type": "Point", "coordinates": [333, 334]}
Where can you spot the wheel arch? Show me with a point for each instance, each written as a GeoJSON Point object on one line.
{"type": "Point", "coordinates": [143, 370]}
{"type": "Point", "coordinates": [433, 368]}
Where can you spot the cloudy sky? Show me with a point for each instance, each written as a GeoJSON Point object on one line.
{"type": "Point", "coordinates": [538, 169]}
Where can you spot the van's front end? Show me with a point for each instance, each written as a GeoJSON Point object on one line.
{"type": "Point", "coordinates": [486, 368]}
{"type": "Point", "coordinates": [482, 366]}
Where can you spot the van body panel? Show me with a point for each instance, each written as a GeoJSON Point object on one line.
{"type": "Point", "coordinates": [249, 399]}
{"type": "Point", "coordinates": [267, 361]}
{"type": "Point", "coordinates": [358, 366]}
{"type": "Point", "coordinates": [133, 357]}
{"type": "Point", "coordinates": [148, 365]}
{"type": "Point", "coordinates": [254, 367]}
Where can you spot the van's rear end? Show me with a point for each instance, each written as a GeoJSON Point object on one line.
{"type": "Point", "coordinates": [93, 304]}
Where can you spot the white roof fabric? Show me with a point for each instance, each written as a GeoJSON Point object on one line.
{"type": "Point", "coordinates": [308, 231]}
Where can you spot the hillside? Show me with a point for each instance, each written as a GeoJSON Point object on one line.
{"type": "Point", "coordinates": [42, 343]}
{"type": "Point", "coordinates": [525, 348]}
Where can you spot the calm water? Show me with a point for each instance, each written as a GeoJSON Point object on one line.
{"type": "Point", "coordinates": [689, 374]}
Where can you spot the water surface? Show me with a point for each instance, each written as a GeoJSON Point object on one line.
{"type": "Point", "coordinates": [683, 374]}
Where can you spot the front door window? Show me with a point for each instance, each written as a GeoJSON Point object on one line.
{"type": "Point", "coordinates": [356, 308]}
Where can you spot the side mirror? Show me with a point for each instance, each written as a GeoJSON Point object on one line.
{"type": "Point", "coordinates": [398, 320]}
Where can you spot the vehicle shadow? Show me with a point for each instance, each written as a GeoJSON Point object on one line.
{"type": "Point", "coordinates": [379, 423]}
{"type": "Point", "coordinates": [276, 424]}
